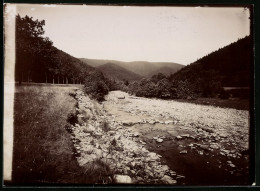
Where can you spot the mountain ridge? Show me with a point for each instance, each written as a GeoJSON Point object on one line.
{"type": "Point", "coordinates": [143, 68]}
{"type": "Point", "coordinates": [116, 72]}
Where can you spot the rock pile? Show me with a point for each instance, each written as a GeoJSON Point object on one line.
{"type": "Point", "coordinates": [98, 137]}
{"type": "Point", "coordinates": [223, 130]}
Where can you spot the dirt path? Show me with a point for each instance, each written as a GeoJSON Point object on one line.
{"type": "Point", "coordinates": [206, 144]}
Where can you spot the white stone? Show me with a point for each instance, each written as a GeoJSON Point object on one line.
{"type": "Point", "coordinates": [168, 180]}
{"type": "Point", "coordinates": [122, 179]}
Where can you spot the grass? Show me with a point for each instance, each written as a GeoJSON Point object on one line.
{"type": "Point", "coordinates": [43, 148]}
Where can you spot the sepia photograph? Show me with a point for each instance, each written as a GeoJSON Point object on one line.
{"type": "Point", "coordinates": [128, 95]}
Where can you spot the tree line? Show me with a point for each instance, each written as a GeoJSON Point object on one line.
{"type": "Point", "coordinates": [37, 60]}
{"type": "Point", "coordinates": [230, 66]}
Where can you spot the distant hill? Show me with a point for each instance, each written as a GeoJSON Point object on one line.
{"type": "Point", "coordinates": [142, 68]}
{"type": "Point", "coordinates": [230, 66]}
{"type": "Point", "coordinates": [116, 72]}
{"type": "Point", "coordinates": [165, 70]}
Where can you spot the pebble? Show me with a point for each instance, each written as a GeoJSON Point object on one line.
{"type": "Point", "coordinates": [168, 180]}
{"type": "Point", "coordinates": [179, 137]}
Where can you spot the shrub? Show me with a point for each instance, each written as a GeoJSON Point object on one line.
{"type": "Point", "coordinates": [95, 86]}
{"type": "Point", "coordinates": [98, 172]}
{"type": "Point", "coordinates": [72, 118]}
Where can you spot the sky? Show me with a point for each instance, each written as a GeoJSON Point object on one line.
{"type": "Point", "coordinates": [140, 33]}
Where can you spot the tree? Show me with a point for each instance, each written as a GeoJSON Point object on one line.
{"type": "Point", "coordinates": [163, 89]}
{"type": "Point", "coordinates": [33, 50]}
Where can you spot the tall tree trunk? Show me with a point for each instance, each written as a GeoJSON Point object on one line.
{"type": "Point", "coordinates": [53, 79]}
{"type": "Point", "coordinates": [63, 79]}
{"type": "Point", "coordinates": [58, 79]}
{"type": "Point", "coordinates": [46, 78]}
{"type": "Point", "coordinates": [66, 80]}
{"type": "Point", "coordinates": [28, 76]}
{"type": "Point", "coordinates": [20, 78]}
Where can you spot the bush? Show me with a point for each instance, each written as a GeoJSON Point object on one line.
{"type": "Point", "coordinates": [95, 86]}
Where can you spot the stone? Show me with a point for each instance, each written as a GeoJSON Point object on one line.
{"type": "Point", "coordinates": [98, 152]}
{"type": "Point", "coordinates": [127, 123]}
{"type": "Point", "coordinates": [185, 135]}
{"type": "Point", "coordinates": [232, 165]}
{"type": "Point", "coordinates": [173, 173]}
{"type": "Point", "coordinates": [136, 134]}
{"type": "Point", "coordinates": [168, 122]}
{"type": "Point", "coordinates": [168, 180]}
{"type": "Point", "coordinates": [152, 155]}
{"type": "Point", "coordinates": [179, 137]}
{"type": "Point", "coordinates": [159, 140]}
{"type": "Point", "coordinates": [184, 152]}
{"type": "Point", "coordinates": [117, 137]}
{"type": "Point", "coordinates": [214, 146]}
{"type": "Point", "coordinates": [180, 176]}
{"type": "Point", "coordinates": [204, 147]}
{"type": "Point", "coordinates": [122, 179]}
{"type": "Point", "coordinates": [142, 142]}
{"type": "Point", "coordinates": [89, 129]}
{"type": "Point", "coordinates": [164, 168]}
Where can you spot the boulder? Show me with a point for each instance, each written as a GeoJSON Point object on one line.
{"type": "Point", "coordinates": [122, 179]}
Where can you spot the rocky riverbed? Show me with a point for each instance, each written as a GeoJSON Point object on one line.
{"type": "Point", "coordinates": [150, 141]}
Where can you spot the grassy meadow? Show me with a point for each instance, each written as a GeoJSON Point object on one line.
{"type": "Point", "coordinates": [43, 149]}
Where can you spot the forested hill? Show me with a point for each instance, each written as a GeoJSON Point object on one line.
{"type": "Point", "coordinates": [230, 66]}
{"type": "Point", "coordinates": [142, 68]}
{"type": "Point", "coordinates": [116, 72]}
{"type": "Point", "coordinates": [227, 67]}
{"type": "Point", "coordinates": [37, 60]}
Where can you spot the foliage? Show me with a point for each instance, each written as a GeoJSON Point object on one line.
{"type": "Point", "coordinates": [95, 86]}
{"type": "Point", "coordinates": [37, 60]}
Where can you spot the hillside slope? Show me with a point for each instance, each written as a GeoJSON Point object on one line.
{"type": "Point", "coordinates": [142, 68]}
{"type": "Point", "coordinates": [37, 60]}
{"type": "Point", "coordinates": [165, 70]}
{"type": "Point", "coordinates": [116, 72]}
{"type": "Point", "coordinates": [230, 66]}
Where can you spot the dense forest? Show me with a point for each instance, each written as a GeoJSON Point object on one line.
{"type": "Point", "coordinates": [37, 60]}
{"type": "Point", "coordinates": [227, 67]}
